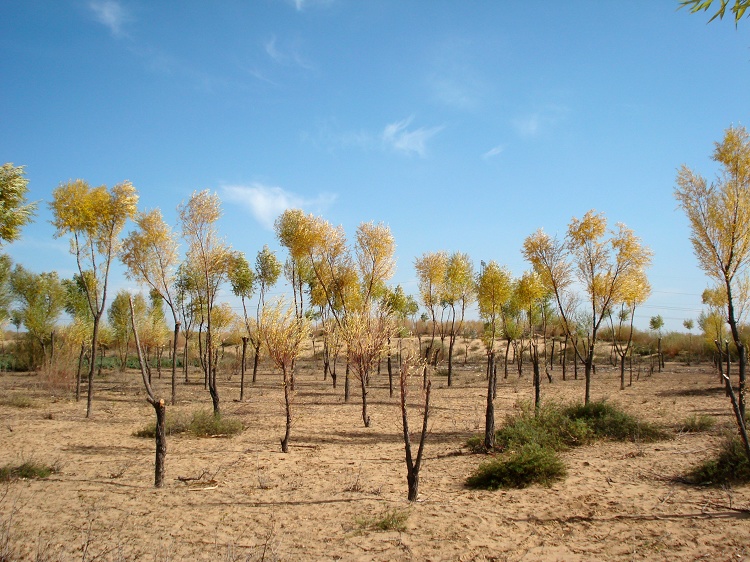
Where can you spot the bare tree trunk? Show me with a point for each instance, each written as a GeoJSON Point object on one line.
{"type": "Point", "coordinates": [489, 418]}
{"type": "Point", "coordinates": [242, 368]}
{"type": "Point", "coordinates": [255, 359]}
{"type": "Point", "coordinates": [390, 370]}
{"type": "Point", "coordinates": [78, 372]}
{"type": "Point", "coordinates": [346, 382]}
{"type": "Point", "coordinates": [412, 466]}
{"type": "Point", "coordinates": [160, 409]}
{"type": "Point", "coordinates": [537, 378]}
{"type": "Point", "coordinates": [94, 341]}
{"type": "Point", "coordinates": [288, 408]}
{"type": "Point", "coordinates": [363, 383]}
{"type": "Point", "coordinates": [174, 362]}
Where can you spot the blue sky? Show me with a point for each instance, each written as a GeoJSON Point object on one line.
{"type": "Point", "coordinates": [464, 126]}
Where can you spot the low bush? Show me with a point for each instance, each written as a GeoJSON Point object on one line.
{"type": "Point", "coordinates": [606, 421]}
{"type": "Point", "coordinates": [17, 401]}
{"type": "Point", "coordinates": [729, 467]}
{"type": "Point", "coordinates": [202, 423]}
{"type": "Point", "coordinates": [531, 464]}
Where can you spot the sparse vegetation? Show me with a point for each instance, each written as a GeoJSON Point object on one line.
{"type": "Point", "coordinates": [201, 423]}
{"type": "Point", "coordinates": [530, 442]}
{"type": "Point", "coordinates": [17, 401]}
{"type": "Point", "coordinates": [729, 467]}
{"type": "Point", "coordinates": [26, 470]}
{"type": "Point", "coordinates": [697, 423]}
{"type": "Point", "coordinates": [531, 464]}
{"type": "Point", "coordinates": [388, 520]}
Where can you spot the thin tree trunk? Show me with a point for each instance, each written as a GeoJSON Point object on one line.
{"type": "Point", "coordinates": [288, 408]}
{"type": "Point", "coordinates": [242, 368]}
{"type": "Point", "coordinates": [94, 341]}
{"type": "Point", "coordinates": [489, 418]}
{"type": "Point", "coordinates": [174, 362]}
{"type": "Point", "coordinates": [413, 467]}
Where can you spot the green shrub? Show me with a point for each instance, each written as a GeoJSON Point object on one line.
{"type": "Point", "coordinates": [606, 421]}
{"type": "Point", "coordinates": [202, 423]}
{"type": "Point", "coordinates": [389, 520]}
{"type": "Point", "coordinates": [531, 464]}
{"type": "Point", "coordinates": [697, 423]}
{"type": "Point", "coordinates": [28, 470]}
{"type": "Point", "coordinates": [731, 466]}
{"type": "Point", "coordinates": [547, 428]}
{"type": "Point", "coordinates": [206, 424]}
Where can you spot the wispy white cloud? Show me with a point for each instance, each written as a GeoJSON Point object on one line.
{"type": "Point", "coordinates": [494, 151]}
{"type": "Point", "coordinates": [287, 56]}
{"type": "Point", "coordinates": [398, 136]}
{"type": "Point", "coordinates": [111, 14]}
{"type": "Point", "coordinates": [300, 5]}
{"type": "Point", "coordinates": [538, 122]}
{"type": "Point", "coordinates": [266, 203]}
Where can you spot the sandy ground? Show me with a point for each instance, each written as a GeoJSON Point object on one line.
{"type": "Point", "coordinates": [314, 503]}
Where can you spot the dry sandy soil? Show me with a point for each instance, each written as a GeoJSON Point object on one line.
{"type": "Point", "coordinates": [315, 503]}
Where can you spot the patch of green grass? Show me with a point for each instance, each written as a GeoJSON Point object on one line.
{"type": "Point", "coordinates": [201, 423]}
{"type": "Point", "coordinates": [697, 423]}
{"type": "Point", "coordinates": [26, 470]}
{"type": "Point", "coordinates": [606, 421]}
{"type": "Point", "coordinates": [531, 464]}
{"type": "Point", "coordinates": [730, 466]}
{"type": "Point", "coordinates": [389, 520]}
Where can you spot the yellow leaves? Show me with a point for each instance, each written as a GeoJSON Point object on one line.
{"type": "Point", "coordinates": [529, 289]}
{"type": "Point", "coordinates": [97, 213]}
{"type": "Point", "coordinates": [587, 230]}
{"type": "Point", "coordinates": [282, 333]}
{"type": "Point", "coordinates": [375, 250]}
{"type": "Point", "coordinates": [548, 257]}
{"type": "Point", "coordinates": [719, 213]}
{"type": "Point", "coordinates": [150, 252]}
{"type": "Point", "coordinates": [431, 271]}
{"type": "Point", "coordinates": [494, 288]}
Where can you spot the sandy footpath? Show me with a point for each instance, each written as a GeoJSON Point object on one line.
{"type": "Point", "coordinates": [254, 503]}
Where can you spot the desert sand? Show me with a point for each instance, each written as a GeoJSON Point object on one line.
{"type": "Point", "coordinates": [240, 498]}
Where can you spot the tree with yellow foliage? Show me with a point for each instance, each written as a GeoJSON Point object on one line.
{"type": "Point", "coordinates": [601, 261]}
{"type": "Point", "coordinates": [211, 258]}
{"type": "Point", "coordinates": [494, 289]}
{"type": "Point", "coordinates": [150, 254]}
{"type": "Point", "coordinates": [94, 218]}
{"type": "Point", "coordinates": [283, 334]}
{"type": "Point", "coordinates": [719, 216]}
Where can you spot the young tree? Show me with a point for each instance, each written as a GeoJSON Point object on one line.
{"type": "Point", "coordinates": [283, 334]}
{"type": "Point", "coordinates": [350, 283]}
{"type": "Point", "coordinates": [655, 324]}
{"type": "Point", "coordinates": [41, 301]}
{"type": "Point", "coordinates": [242, 279]}
{"type": "Point", "coordinates": [209, 255]}
{"type": "Point", "coordinates": [15, 212]}
{"type": "Point", "coordinates": [719, 216]}
{"type": "Point", "coordinates": [494, 289]}
{"type": "Point", "coordinates": [688, 324]}
{"type": "Point", "coordinates": [431, 272]}
{"type": "Point", "coordinates": [458, 294]}
{"type": "Point", "coordinates": [634, 293]}
{"type": "Point", "coordinates": [120, 323]}
{"type": "Point", "coordinates": [267, 272]}
{"type": "Point", "coordinates": [413, 466]}
{"type": "Point", "coordinates": [94, 218]}
{"type": "Point", "coordinates": [159, 405]}
{"type": "Point", "coordinates": [150, 254]}
{"type": "Point", "coordinates": [599, 260]}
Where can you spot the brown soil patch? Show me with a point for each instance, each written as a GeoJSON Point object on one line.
{"type": "Point", "coordinates": [255, 503]}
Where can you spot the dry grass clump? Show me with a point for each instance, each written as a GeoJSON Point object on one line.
{"type": "Point", "coordinates": [389, 520]}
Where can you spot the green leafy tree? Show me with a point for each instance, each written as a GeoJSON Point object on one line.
{"type": "Point", "coordinates": [40, 299]}
{"type": "Point", "coordinates": [15, 211]}
{"type": "Point", "coordinates": [118, 317]}
{"type": "Point", "coordinates": [94, 219]}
